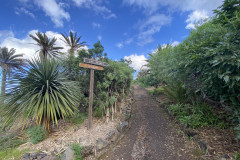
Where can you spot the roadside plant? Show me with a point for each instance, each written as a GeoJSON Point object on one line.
{"type": "Point", "coordinates": [37, 134]}
{"type": "Point", "coordinates": [43, 95]}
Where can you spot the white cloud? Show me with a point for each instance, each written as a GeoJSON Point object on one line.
{"type": "Point", "coordinates": [204, 7]}
{"type": "Point", "coordinates": [96, 25]}
{"type": "Point", "coordinates": [129, 41]}
{"type": "Point", "coordinates": [5, 34]}
{"type": "Point", "coordinates": [24, 11]}
{"type": "Point", "coordinates": [175, 43]}
{"type": "Point", "coordinates": [54, 10]}
{"type": "Point", "coordinates": [26, 45]}
{"type": "Point", "coordinates": [138, 61]}
{"type": "Point", "coordinates": [119, 45]}
{"type": "Point", "coordinates": [96, 6]}
{"type": "Point", "coordinates": [181, 5]}
{"type": "Point", "coordinates": [126, 42]}
{"type": "Point", "coordinates": [99, 38]}
{"type": "Point", "coordinates": [151, 26]}
{"type": "Point", "coordinates": [147, 29]}
{"type": "Point", "coordinates": [196, 17]}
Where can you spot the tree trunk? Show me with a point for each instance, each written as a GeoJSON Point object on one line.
{"type": "Point", "coordinates": [112, 112]}
{"type": "Point", "coordinates": [3, 87]}
{"type": "Point", "coordinates": [107, 115]}
{"type": "Point", "coordinates": [115, 107]}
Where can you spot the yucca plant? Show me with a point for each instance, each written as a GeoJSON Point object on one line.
{"type": "Point", "coordinates": [43, 95]}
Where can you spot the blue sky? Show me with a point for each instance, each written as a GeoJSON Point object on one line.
{"type": "Point", "coordinates": [126, 28]}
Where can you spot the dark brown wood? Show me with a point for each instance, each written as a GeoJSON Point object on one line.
{"type": "Point", "coordinates": [90, 66]}
{"type": "Point", "coordinates": [95, 62]}
{"type": "Point", "coordinates": [90, 99]}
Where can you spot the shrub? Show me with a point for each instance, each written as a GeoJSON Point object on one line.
{"type": "Point", "coordinates": [77, 151]}
{"type": "Point", "coordinates": [12, 153]}
{"type": "Point", "coordinates": [10, 141]}
{"type": "Point", "coordinates": [195, 116]}
{"type": "Point", "coordinates": [156, 92]}
{"type": "Point", "coordinates": [78, 118]}
{"type": "Point", "coordinates": [37, 134]}
{"type": "Point", "coordinates": [176, 92]}
{"type": "Point", "coordinates": [43, 94]}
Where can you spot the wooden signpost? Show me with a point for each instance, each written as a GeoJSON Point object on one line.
{"type": "Point", "coordinates": [92, 67]}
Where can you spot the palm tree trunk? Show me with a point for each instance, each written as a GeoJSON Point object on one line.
{"type": "Point", "coordinates": [3, 87]}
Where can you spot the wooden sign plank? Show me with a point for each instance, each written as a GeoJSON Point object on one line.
{"type": "Point", "coordinates": [90, 66]}
{"type": "Point", "coordinates": [95, 62]}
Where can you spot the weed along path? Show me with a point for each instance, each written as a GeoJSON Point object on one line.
{"type": "Point", "coordinates": [150, 136]}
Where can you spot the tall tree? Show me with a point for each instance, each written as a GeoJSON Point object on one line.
{"type": "Point", "coordinates": [47, 45]}
{"type": "Point", "coordinates": [97, 51]}
{"type": "Point", "coordinates": [73, 41]}
{"type": "Point", "coordinates": [9, 61]}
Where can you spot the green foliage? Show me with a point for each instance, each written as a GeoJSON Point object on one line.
{"type": "Point", "coordinates": [157, 91]}
{"type": "Point", "coordinates": [206, 63]}
{"type": "Point", "coordinates": [47, 45]}
{"type": "Point", "coordinates": [77, 150]}
{"type": "Point", "coordinates": [37, 134]}
{"type": "Point", "coordinates": [237, 156]}
{"type": "Point", "coordinates": [78, 118]}
{"type": "Point", "coordinates": [10, 141]}
{"type": "Point", "coordinates": [97, 51]}
{"type": "Point", "coordinates": [195, 116]}
{"type": "Point", "coordinates": [9, 61]}
{"type": "Point", "coordinates": [43, 94]}
{"type": "Point", "coordinates": [12, 154]}
{"type": "Point", "coordinates": [176, 92]}
{"type": "Point", "coordinates": [112, 83]}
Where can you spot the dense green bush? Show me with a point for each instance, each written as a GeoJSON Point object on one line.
{"type": "Point", "coordinates": [10, 141]}
{"type": "Point", "coordinates": [78, 118]}
{"type": "Point", "coordinates": [206, 63]}
{"type": "Point", "coordinates": [77, 151]}
{"type": "Point", "coordinates": [194, 116]}
{"type": "Point", "coordinates": [37, 134]}
{"type": "Point", "coordinates": [157, 91]}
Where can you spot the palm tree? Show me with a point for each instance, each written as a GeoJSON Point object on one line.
{"type": "Point", "coordinates": [47, 45]}
{"type": "Point", "coordinates": [43, 95]}
{"type": "Point", "coordinates": [72, 41]}
{"type": "Point", "coordinates": [9, 61]}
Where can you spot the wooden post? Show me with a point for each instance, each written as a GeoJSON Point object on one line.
{"type": "Point", "coordinates": [90, 99]}
{"type": "Point", "coordinates": [97, 66]}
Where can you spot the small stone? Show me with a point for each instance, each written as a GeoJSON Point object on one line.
{"type": "Point", "coordinates": [26, 156]}
{"type": "Point", "coordinates": [42, 156]}
{"type": "Point", "coordinates": [226, 156]}
{"type": "Point", "coordinates": [189, 132]}
{"type": "Point", "coordinates": [110, 135]}
{"type": "Point", "coordinates": [86, 151]}
{"type": "Point", "coordinates": [34, 155]}
{"type": "Point", "coordinates": [68, 154]}
{"type": "Point", "coordinates": [203, 146]}
{"type": "Point", "coordinates": [122, 126]}
{"type": "Point", "coordinates": [101, 144]}
{"type": "Point", "coordinates": [54, 152]}
{"type": "Point", "coordinates": [59, 142]}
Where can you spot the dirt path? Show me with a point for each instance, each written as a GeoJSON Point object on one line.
{"type": "Point", "coordinates": [151, 136]}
